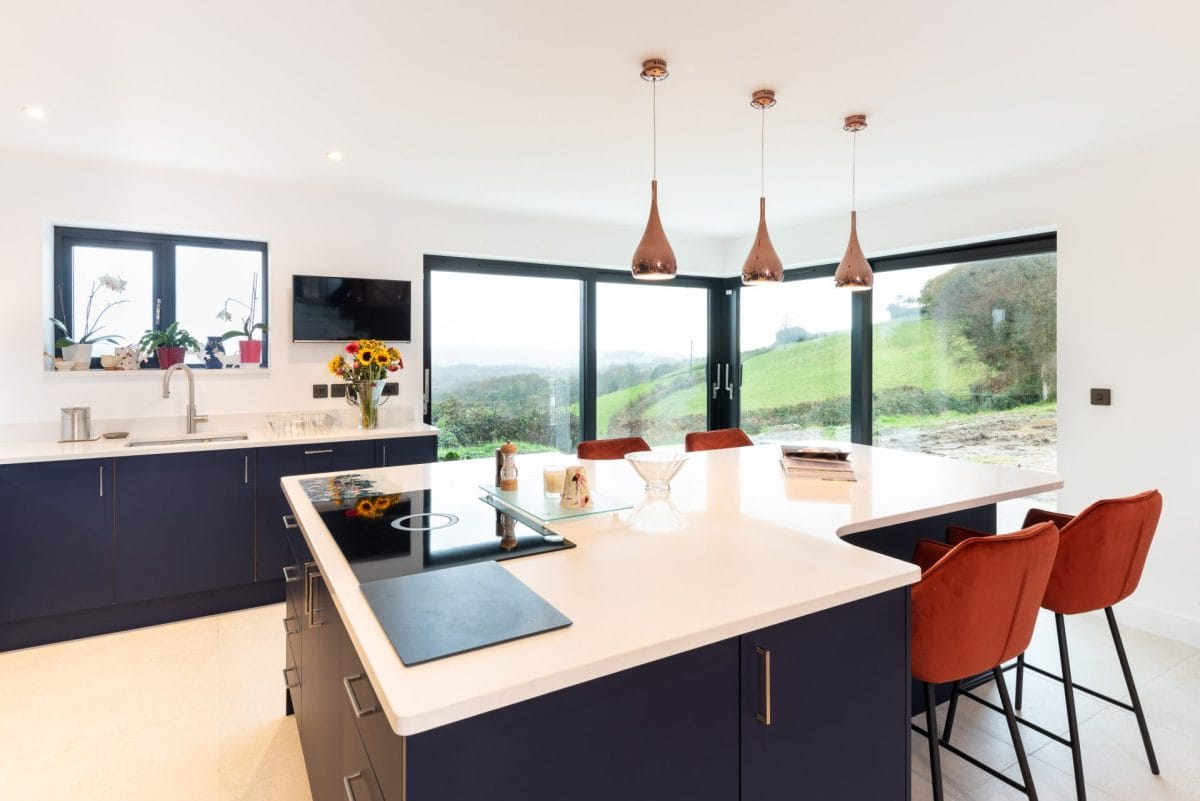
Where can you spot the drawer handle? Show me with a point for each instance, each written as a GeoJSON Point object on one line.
{"type": "Point", "coordinates": [290, 578]}
{"type": "Point", "coordinates": [289, 521]}
{"type": "Point", "coordinates": [764, 665]}
{"type": "Point", "coordinates": [287, 683]}
{"type": "Point", "coordinates": [346, 783]}
{"type": "Point", "coordinates": [317, 451]}
{"type": "Point", "coordinates": [312, 599]}
{"type": "Point", "coordinates": [288, 628]}
{"type": "Point", "coordinates": [358, 711]}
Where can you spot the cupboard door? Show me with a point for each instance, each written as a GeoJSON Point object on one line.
{"type": "Point", "coordinates": [405, 450]}
{"type": "Point", "coordinates": [185, 523]}
{"type": "Point", "coordinates": [825, 704]}
{"type": "Point", "coordinates": [271, 550]}
{"type": "Point", "coordinates": [56, 538]}
{"type": "Point", "coordinates": [358, 778]}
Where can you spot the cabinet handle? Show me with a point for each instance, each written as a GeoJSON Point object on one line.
{"type": "Point", "coordinates": [317, 451]}
{"type": "Point", "coordinates": [346, 783]}
{"type": "Point", "coordinates": [716, 387]}
{"type": "Point", "coordinates": [101, 481]}
{"type": "Point", "coordinates": [307, 586]}
{"type": "Point", "coordinates": [358, 711]}
{"type": "Point", "coordinates": [246, 469]}
{"type": "Point", "coordinates": [728, 381]}
{"type": "Point", "coordinates": [289, 522]}
{"type": "Point", "coordinates": [288, 629]}
{"type": "Point", "coordinates": [312, 599]}
{"type": "Point", "coordinates": [764, 666]}
{"type": "Point", "coordinates": [384, 457]}
{"type": "Point", "coordinates": [290, 578]}
{"type": "Point", "coordinates": [289, 684]}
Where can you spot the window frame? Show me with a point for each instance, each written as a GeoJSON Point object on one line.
{"type": "Point", "coordinates": [162, 246]}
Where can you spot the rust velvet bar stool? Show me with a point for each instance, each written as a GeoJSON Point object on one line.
{"type": "Point", "coordinates": [973, 609]}
{"type": "Point", "coordinates": [1101, 554]}
{"type": "Point", "coordinates": [610, 448]}
{"type": "Point", "coordinates": [716, 440]}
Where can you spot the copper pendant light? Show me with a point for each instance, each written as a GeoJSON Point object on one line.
{"type": "Point", "coordinates": [654, 260]}
{"type": "Point", "coordinates": [853, 272]}
{"type": "Point", "coordinates": [762, 265]}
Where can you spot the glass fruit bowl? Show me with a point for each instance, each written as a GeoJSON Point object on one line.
{"type": "Point", "coordinates": [657, 468]}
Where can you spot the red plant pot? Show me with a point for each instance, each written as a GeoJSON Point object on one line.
{"type": "Point", "coordinates": [250, 350]}
{"type": "Point", "coordinates": [168, 356]}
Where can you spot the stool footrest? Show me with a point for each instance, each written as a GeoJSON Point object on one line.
{"type": "Point", "coordinates": [982, 766]}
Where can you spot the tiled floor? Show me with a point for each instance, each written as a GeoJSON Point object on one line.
{"type": "Point", "coordinates": [194, 710]}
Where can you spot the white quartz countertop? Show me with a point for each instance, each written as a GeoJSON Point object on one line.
{"type": "Point", "coordinates": [734, 548]}
{"type": "Point", "coordinates": [258, 435]}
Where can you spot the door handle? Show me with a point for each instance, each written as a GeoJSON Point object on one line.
{"type": "Point", "coordinates": [317, 451]}
{"type": "Point", "coordinates": [290, 578]}
{"type": "Point", "coordinates": [764, 683]}
{"type": "Point", "coordinates": [101, 481]}
{"type": "Point", "coordinates": [359, 712]}
{"type": "Point", "coordinates": [289, 521]}
{"type": "Point", "coordinates": [716, 387]}
{"type": "Point", "coordinates": [384, 460]}
{"type": "Point", "coordinates": [246, 469]}
{"type": "Point", "coordinates": [728, 381]}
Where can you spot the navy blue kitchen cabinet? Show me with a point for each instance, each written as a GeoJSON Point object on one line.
{"type": "Point", "coordinates": [405, 450]}
{"type": "Point", "coordinates": [185, 523]}
{"type": "Point", "coordinates": [825, 702]}
{"type": "Point", "coordinates": [56, 537]}
{"type": "Point", "coordinates": [271, 548]}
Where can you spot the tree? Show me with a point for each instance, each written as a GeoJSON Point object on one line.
{"type": "Point", "coordinates": [1006, 309]}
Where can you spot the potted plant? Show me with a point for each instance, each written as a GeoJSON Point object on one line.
{"type": "Point", "coordinates": [79, 349]}
{"type": "Point", "coordinates": [249, 347]}
{"type": "Point", "coordinates": [364, 367]}
{"type": "Point", "coordinates": [168, 345]}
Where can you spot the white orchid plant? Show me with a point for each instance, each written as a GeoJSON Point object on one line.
{"type": "Point", "coordinates": [248, 325]}
{"type": "Point", "coordinates": [91, 328]}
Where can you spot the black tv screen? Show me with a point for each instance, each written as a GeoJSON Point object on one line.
{"type": "Point", "coordinates": [335, 309]}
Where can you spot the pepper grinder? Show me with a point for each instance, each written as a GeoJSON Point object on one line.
{"type": "Point", "coordinates": [508, 466]}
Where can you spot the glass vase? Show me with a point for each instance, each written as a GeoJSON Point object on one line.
{"type": "Point", "coordinates": [368, 397]}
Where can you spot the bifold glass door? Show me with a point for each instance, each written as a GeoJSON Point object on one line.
{"type": "Point", "coordinates": [651, 361]}
{"type": "Point", "coordinates": [504, 362]}
{"type": "Point", "coordinates": [794, 342]}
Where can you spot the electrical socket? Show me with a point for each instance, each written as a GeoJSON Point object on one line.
{"type": "Point", "coordinates": [337, 390]}
{"type": "Point", "coordinates": [320, 390]}
{"type": "Point", "coordinates": [1101, 397]}
{"type": "Point", "coordinates": [391, 388]}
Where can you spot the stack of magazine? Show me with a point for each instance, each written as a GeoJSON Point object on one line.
{"type": "Point", "coordinates": [823, 462]}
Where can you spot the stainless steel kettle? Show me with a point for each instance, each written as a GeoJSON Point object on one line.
{"type": "Point", "coordinates": [76, 424]}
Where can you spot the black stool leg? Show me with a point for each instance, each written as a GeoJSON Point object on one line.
{"type": "Point", "coordinates": [1133, 694]}
{"type": "Point", "coordinates": [1020, 677]}
{"type": "Point", "coordinates": [935, 760]}
{"type": "Point", "coordinates": [1015, 732]}
{"type": "Point", "coordinates": [949, 727]}
{"type": "Point", "coordinates": [1072, 719]}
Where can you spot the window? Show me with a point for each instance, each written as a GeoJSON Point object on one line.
{"type": "Point", "coordinates": [167, 279]}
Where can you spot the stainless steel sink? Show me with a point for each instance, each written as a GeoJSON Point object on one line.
{"type": "Point", "coordinates": [187, 439]}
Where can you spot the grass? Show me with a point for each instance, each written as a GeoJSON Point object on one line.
{"type": "Point", "coordinates": [909, 352]}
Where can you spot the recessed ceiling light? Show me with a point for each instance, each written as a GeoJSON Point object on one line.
{"type": "Point", "coordinates": [334, 155]}
{"type": "Point", "coordinates": [34, 112]}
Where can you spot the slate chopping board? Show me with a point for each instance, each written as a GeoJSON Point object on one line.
{"type": "Point", "coordinates": [443, 612]}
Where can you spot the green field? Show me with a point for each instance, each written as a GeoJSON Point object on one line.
{"type": "Point", "coordinates": [909, 352]}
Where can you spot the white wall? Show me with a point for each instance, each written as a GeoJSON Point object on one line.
{"type": "Point", "coordinates": [309, 230]}
{"type": "Point", "coordinates": [1128, 304]}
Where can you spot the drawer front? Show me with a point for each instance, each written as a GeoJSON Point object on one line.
{"type": "Point", "coordinates": [358, 777]}
{"type": "Point", "coordinates": [384, 748]}
{"type": "Point", "coordinates": [291, 677]}
{"type": "Point", "coordinates": [405, 450]}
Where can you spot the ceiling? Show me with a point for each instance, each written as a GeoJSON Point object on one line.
{"type": "Point", "coordinates": [536, 106]}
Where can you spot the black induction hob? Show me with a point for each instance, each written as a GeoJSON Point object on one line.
{"type": "Point", "coordinates": [386, 535]}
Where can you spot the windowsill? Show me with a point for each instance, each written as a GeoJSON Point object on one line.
{"type": "Point", "coordinates": [237, 372]}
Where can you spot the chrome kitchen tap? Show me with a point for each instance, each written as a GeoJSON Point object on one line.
{"type": "Point", "coordinates": [192, 417]}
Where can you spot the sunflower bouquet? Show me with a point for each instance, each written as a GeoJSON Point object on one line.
{"type": "Point", "coordinates": [373, 508]}
{"type": "Point", "coordinates": [364, 367]}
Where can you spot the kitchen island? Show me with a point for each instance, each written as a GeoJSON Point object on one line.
{"type": "Point", "coordinates": [727, 641]}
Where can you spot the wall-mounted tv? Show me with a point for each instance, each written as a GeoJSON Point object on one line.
{"type": "Point", "coordinates": [336, 309]}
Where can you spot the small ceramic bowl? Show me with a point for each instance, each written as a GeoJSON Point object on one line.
{"type": "Point", "coordinates": [63, 366]}
{"type": "Point", "coordinates": [109, 361]}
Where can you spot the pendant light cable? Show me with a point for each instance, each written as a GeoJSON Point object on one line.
{"type": "Point", "coordinates": [854, 171]}
{"type": "Point", "coordinates": [654, 130]}
{"type": "Point", "coordinates": [762, 155]}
